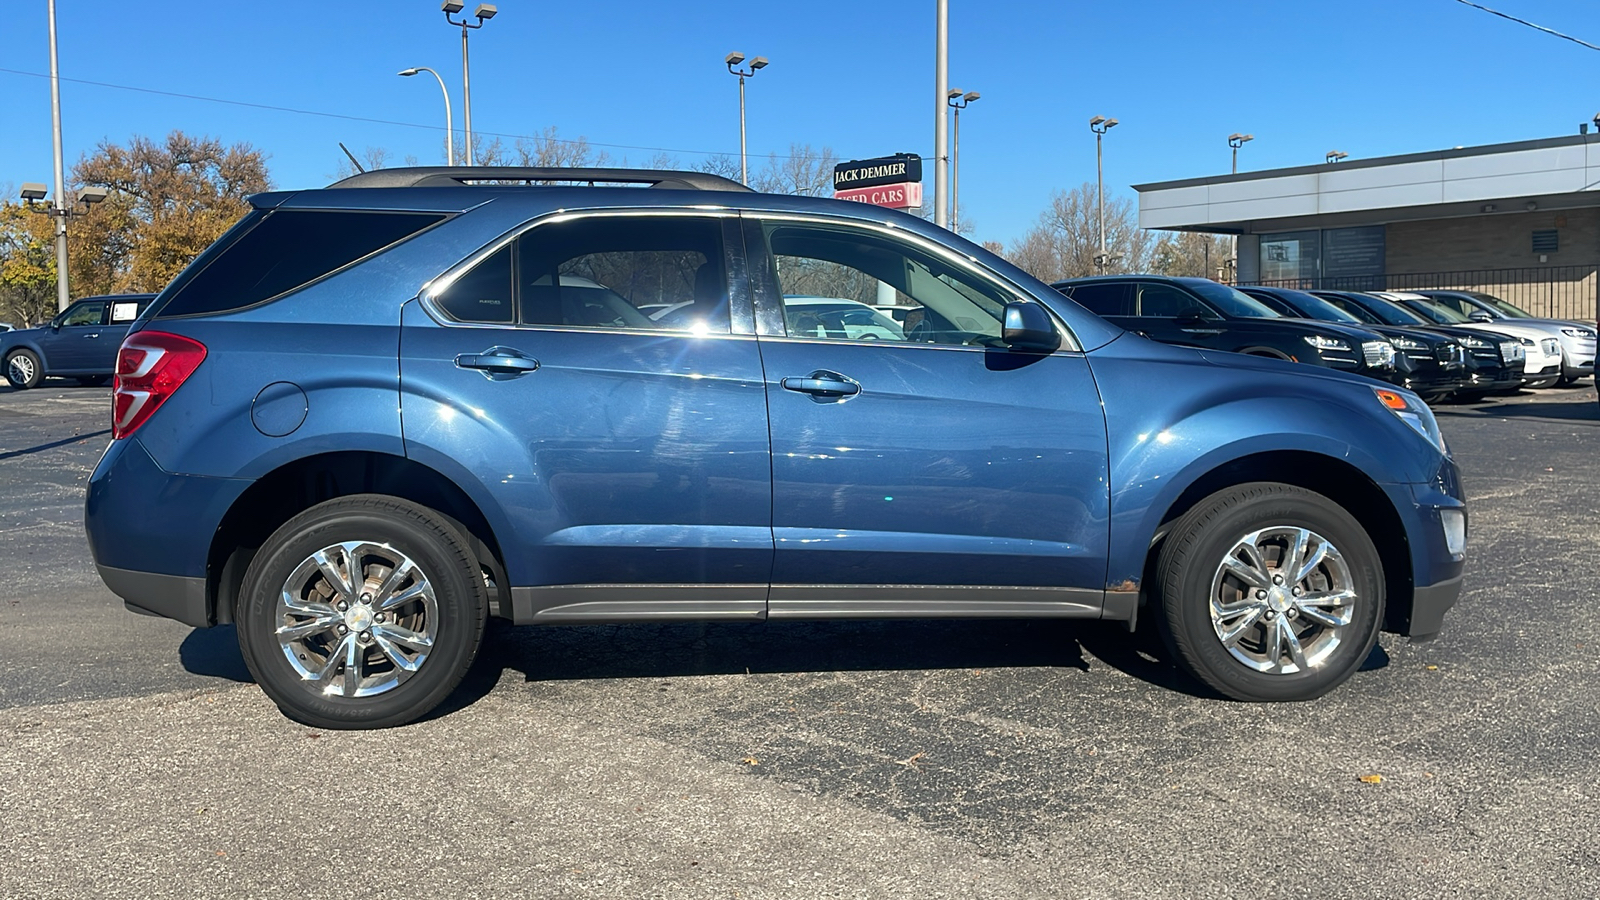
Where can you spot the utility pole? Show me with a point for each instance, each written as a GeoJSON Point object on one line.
{"type": "Point", "coordinates": [941, 89]}
{"type": "Point", "coordinates": [63, 294]}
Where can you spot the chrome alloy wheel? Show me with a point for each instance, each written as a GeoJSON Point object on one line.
{"type": "Point", "coordinates": [356, 619]}
{"type": "Point", "coordinates": [1281, 598]}
{"type": "Point", "coordinates": [21, 368]}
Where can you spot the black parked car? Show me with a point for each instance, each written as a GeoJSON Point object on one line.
{"type": "Point", "coordinates": [81, 342]}
{"type": "Point", "coordinates": [1431, 364]}
{"type": "Point", "coordinates": [1495, 364]}
{"type": "Point", "coordinates": [1196, 312]}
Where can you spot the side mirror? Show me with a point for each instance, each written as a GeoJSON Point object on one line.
{"type": "Point", "coordinates": [55, 324]}
{"type": "Point", "coordinates": [1479, 315]}
{"type": "Point", "coordinates": [1028, 327]}
{"type": "Point", "coordinates": [1193, 317]}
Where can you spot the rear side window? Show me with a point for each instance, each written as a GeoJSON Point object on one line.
{"type": "Point", "coordinates": [288, 249]}
{"type": "Point", "coordinates": [1102, 299]}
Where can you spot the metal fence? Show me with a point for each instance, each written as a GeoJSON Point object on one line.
{"type": "Point", "coordinates": [1557, 292]}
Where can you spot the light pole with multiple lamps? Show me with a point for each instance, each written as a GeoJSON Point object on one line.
{"type": "Point", "coordinates": [957, 101]}
{"type": "Point", "coordinates": [1100, 125]}
{"type": "Point", "coordinates": [61, 210]}
{"type": "Point", "coordinates": [1335, 155]}
{"type": "Point", "coordinates": [483, 13]}
{"type": "Point", "coordinates": [733, 60]}
{"type": "Point", "coordinates": [449, 129]}
{"type": "Point", "coordinates": [1237, 140]}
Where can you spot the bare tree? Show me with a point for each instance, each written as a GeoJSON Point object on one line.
{"type": "Point", "coordinates": [1190, 253]}
{"type": "Point", "coordinates": [1066, 238]}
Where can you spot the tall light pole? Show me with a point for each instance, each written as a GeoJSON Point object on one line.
{"type": "Point", "coordinates": [483, 13]}
{"type": "Point", "coordinates": [733, 60]}
{"type": "Point", "coordinates": [63, 295]}
{"type": "Point", "coordinates": [958, 101]}
{"type": "Point", "coordinates": [941, 90]}
{"type": "Point", "coordinates": [449, 129]}
{"type": "Point", "coordinates": [1335, 155]}
{"type": "Point", "coordinates": [1237, 140]}
{"type": "Point", "coordinates": [1100, 125]}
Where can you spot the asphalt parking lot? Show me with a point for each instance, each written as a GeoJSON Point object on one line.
{"type": "Point", "coordinates": [951, 759]}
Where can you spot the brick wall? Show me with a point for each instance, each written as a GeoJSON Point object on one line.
{"type": "Point", "coordinates": [1502, 242]}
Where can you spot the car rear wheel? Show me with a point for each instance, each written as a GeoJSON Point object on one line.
{"type": "Point", "coordinates": [362, 612]}
{"type": "Point", "coordinates": [1270, 592]}
{"type": "Point", "coordinates": [24, 370]}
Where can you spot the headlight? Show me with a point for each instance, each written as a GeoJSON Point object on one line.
{"type": "Point", "coordinates": [1378, 354]}
{"type": "Point", "coordinates": [1412, 411]}
{"type": "Point", "coordinates": [1405, 343]}
{"type": "Point", "coordinates": [1577, 332]}
{"type": "Point", "coordinates": [1474, 343]}
{"type": "Point", "coordinates": [1326, 343]}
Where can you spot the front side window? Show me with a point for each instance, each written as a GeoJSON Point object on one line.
{"type": "Point", "coordinates": [1167, 302]}
{"type": "Point", "coordinates": [831, 277]}
{"type": "Point", "coordinates": [85, 314]}
{"type": "Point", "coordinates": [1102, 298]}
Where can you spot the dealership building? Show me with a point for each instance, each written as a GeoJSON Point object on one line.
{"type": "Point", "coordinates": [1520, 221]}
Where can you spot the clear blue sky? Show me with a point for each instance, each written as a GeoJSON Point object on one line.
{"type": "Point", "coordinates": [1370, 77]}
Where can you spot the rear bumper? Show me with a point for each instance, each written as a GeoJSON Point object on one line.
{"type": "Point", "coordinates": [171, 596]}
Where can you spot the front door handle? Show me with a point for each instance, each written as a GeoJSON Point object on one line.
{"type": "Point", "coordinates": [824, 384]}
{"type": "Point", "coordinates": [498, 363]}
{"type": "Point", "coordinates": [95, 335]}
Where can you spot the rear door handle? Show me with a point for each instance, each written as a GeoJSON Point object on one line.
{"type": "Point", "coordinates": [826, 384]}
{"type": "Point", "coordinates": [498, 363]}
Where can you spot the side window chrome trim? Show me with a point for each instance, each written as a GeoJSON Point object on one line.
{"type": "Point", "coordinates": [965, 263]}
{"type": "Point", "coordinates": [439, 316]}
{"type": "Point", "coordinates": [910, 345]}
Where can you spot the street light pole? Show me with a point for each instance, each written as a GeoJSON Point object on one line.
{"type": "Point", "coordinates": [941, 77]}
{"type": "Point", "coordinates": [958, 101]}
{"type": "Point", "coordinates": [63, 294]}
{"type": "Point", "coordinates": [733, 60]}
{"type": "Point", "coordinates": [1100, 125]}
{"type": "Point", "coordinates": [449, 129]}
{"type": "Point", "coordinates": [483, 13]}
{"type": "Point", "coordinates": [1237, 140]}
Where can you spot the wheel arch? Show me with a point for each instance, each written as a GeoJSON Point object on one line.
{"type": "Point", "coordinates": [1334, 478]}
{"type": "Point", "coordinates": [296, 486]}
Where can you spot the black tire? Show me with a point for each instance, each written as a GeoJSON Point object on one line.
{"type": "Point", "coordinates": [23, 369]}
{"type": "Point", "coordinates": [1189, 563]}
{"type": "Point", "coordinates": [93, 380]}
{"type": "Point", "coordinates": [441, 555]}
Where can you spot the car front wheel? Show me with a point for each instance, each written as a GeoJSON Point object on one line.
{"type": "Point", "coordinates": [1270, 592]}
{"type": "Point", "coordinates": [24, 370]}
{"type": "Point", "coordinates": [362, 612]}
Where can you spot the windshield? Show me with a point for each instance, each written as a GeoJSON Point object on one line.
{"type": "Point", "coordinates": [1507, 309]}
{"type": "Point", "coordinates": [1385, 311]}
{"type": "Point", "coordinates": [1437, 311]}
{"type": "Point", "coordinates": [1314, 307]}
{"type": "Point", "coordinates": [1230, 301]}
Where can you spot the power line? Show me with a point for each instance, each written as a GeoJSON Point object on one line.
{"type": "Point", "coordinates": [350, 118]}
{"type": "Point", "coordinates": [1536, 27]}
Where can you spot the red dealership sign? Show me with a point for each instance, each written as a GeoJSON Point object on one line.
{"type": "Point", "coordinates": [894, 196]}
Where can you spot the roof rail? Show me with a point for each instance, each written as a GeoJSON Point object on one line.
{"type": "Point", "coordinates": [456, 176]}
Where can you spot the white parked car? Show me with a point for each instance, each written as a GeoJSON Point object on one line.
{"type": "Point", "coordinates": [1542, 366]}
{"type": "Point", "coordinates": [836, 317]}
{"type": "Point", "coordinates": [1577, 338]}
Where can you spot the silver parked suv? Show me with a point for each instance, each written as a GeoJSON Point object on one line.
{"type": "Point", "coordinates": [1577, 339]}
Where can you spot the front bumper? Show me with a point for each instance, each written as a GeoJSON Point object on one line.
{"type": "Point", "coordinates": [1428, 606]}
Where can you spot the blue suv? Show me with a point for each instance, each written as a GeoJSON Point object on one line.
{"type": "Point", "coordinates": [372, 416]}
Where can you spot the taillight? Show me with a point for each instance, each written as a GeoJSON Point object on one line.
{"type": "Point", "coordinates": [151, 365]}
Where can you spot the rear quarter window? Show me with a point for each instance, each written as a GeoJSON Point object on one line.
{"type": "Point", "coordinates": [287, 249]}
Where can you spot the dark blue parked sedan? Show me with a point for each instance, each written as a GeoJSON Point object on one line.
{"type": "Point", "coordinates": [372, 416]}
{"type": "Point", "coordinates": [79, 343]}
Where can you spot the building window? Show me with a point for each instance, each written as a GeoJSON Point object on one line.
{"type": "Point", "coordinates": [1546, 240]}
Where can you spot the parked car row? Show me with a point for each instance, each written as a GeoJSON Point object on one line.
{"type": "Point", "coordinates": [81, 342]}
{"type": "Point", "coordinates": [1438, 344]}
